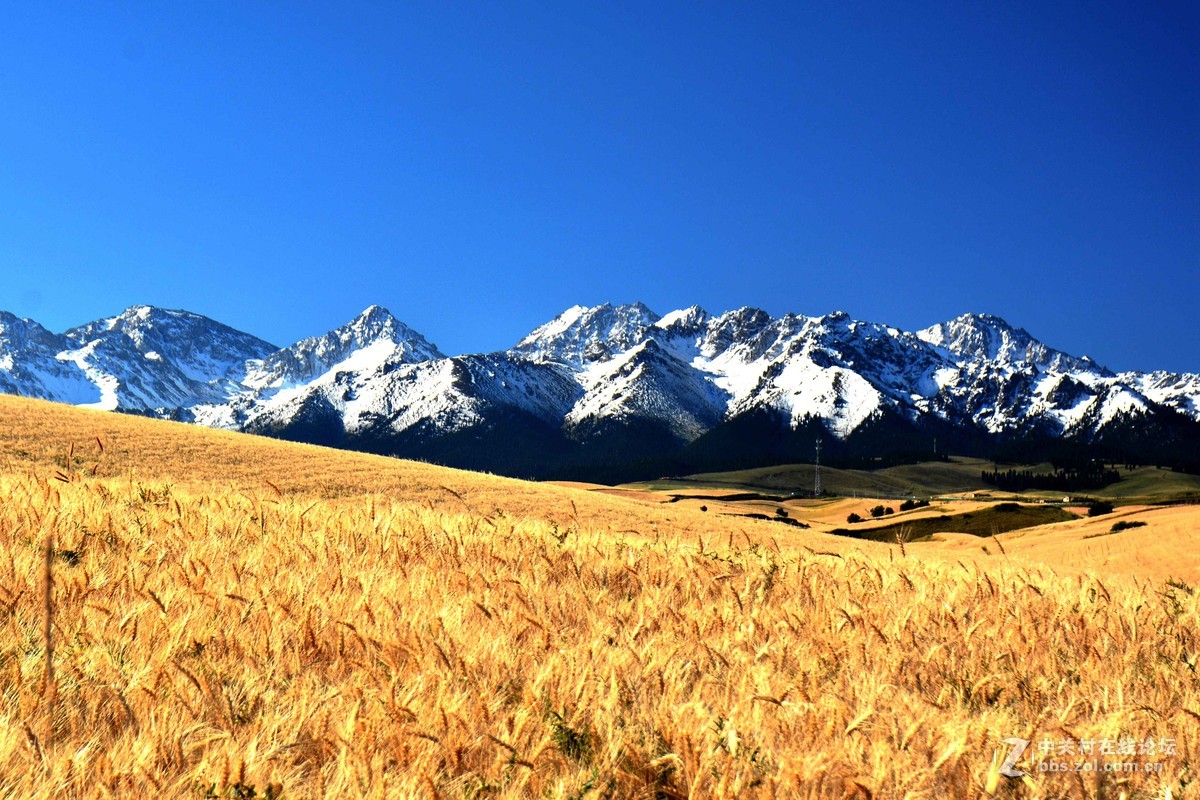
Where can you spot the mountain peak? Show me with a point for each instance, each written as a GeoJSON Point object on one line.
{"type": "Point", "coordinates": [685, 320]}
{"type": "Point", "coordinates": [144, 323]}
{"type": "Point", "coordinates": [146, 313]}
{"type": "Point", "coordinates": [164, 329]}
{"type": "Point", "coordinates": [9, 318]}
{"type": "Point", "coordinates": [374, 323]}
{"type": "Point", "coordinates": [581, 334]}
{"type": "Point", "coordinates": [17, 332]}
{"type": "Point", "coordinates": [368, 341]}
{"type": "Point", "coordinates": [741, 322]}
{"type": "Point", "coordinates": [981, 317]}
{"type": "Point", "coordinates": [138, 311]}
{"type": "Point", "coordinates": [143, 358]}
{"type": "Point", "coordinates": [374, 313]}
{"type": "Point", "coordinates": [976, 336]}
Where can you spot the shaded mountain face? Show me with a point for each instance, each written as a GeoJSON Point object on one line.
{"type": "Point", "coordinates": [615, 390]}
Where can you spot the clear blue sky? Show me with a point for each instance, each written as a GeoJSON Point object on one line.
{"type": "Point", "coordinates": [479, 167]}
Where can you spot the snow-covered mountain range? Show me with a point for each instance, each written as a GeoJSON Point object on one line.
{"type": "Point", "coordinates": [615, 387]}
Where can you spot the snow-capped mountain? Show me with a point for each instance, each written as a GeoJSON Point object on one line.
{"type": "Point", "coordinates": [366, 343]}
{"type": "Point", "coordinates": [984, 337]}
{"type": "Point", "coordinates": [1178, 391]}
{"type": "Point", "coordinates": [444, 394]}
{"type": "Point", "coordinates": [320, 378]}
{"type": "Point", "coordinates": [1004, 380]}
{"type": "Point", "coordinates": [974, 380]}
{"type": "Point", "coordinates": [29, 364]}
{"type": "Point", "coordinates": [581, 335]}
{"type": "Point", "coordinates": [648, 382]}
{"type": "Point", "coordinates": [611, 385]}
{"type": "Point", "coordinates": [142, 359]}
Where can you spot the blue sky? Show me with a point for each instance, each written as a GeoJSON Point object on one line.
{"type": "Point", "coordinates": [479, 167]}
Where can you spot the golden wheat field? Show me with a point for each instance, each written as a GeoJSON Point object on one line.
{"type": "Point", "coordinates": [189, 613]}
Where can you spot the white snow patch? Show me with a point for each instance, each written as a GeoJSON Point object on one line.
{"type": "Point", "coordinates": [366, 359]}
{"type": "Point", "coordinates": [737, 378]}
{"type": "Point", "coordinates": [556, 326]}
{"type": "Point", "coordinates": [840, 397]}
{"type": "Point", "coordinates": [691, 316]}
{"type": "Point", "coordinates": [1119, 402]}
{"type": "Point", "coordinates": [602, 383]}
{"type": "Point", "coordinates": [215, 416]}
{"type": "Point", "coordinates": [107, 384]}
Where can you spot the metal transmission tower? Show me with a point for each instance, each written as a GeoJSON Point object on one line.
{"type": "Point", "coordinates": [817, 475]}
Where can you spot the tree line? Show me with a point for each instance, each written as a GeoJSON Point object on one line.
{"type": "Point", "coordinates": [1074, 479]}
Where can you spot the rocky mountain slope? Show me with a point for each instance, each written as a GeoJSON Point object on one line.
{"type": "Point", "coordinates": [144, 358]}
{"type": "Point", "coordinates": [618, 390]}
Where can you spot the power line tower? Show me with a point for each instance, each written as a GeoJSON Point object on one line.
{"type": "Point", "coordinates": [817, 473]}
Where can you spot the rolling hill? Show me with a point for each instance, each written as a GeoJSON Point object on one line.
{"type": "Point", "coordinates": [958, 475]}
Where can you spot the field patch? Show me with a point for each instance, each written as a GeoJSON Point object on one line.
{"type": "Point", "coordinates": [988, 521]}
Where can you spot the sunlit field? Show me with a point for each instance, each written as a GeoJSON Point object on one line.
{"type": "Point", "coordinates": [190, 613]}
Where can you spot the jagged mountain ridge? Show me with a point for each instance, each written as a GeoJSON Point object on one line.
{"type": "Point", "coordinates": [143, 358]}
{"type": "Point", "coordinates": [373, 338]}
{"type": "Point", "coordinates": [601, 385]}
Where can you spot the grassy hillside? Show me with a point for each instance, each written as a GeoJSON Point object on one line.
{"type": "Point", "coordinates": [210, 615]}
{"type": "Point", "coordinates": [39, 438]}
{"type": "Point", "coordinates": [957, 475]}
{"type": "Point", "coordinates": [1150, 484]}
{"type": "Point", "coordinates": [1165, 549]}
{"type": "Point", "coordinates": [928, 479]}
